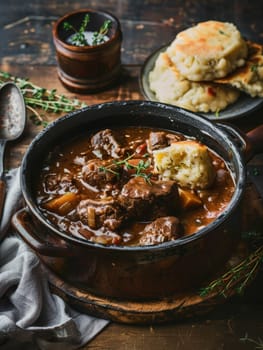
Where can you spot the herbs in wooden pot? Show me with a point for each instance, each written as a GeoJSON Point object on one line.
{"type": "Point", "coordinates": [88, 45]}
{"type": "Point", "coordinates": [85, 37]}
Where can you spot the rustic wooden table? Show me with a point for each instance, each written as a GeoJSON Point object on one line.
{"type": "Point", "coordinates": [27, 51]}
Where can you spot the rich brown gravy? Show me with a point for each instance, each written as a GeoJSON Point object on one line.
{"type": "Point", "coordinates": [63, 185]}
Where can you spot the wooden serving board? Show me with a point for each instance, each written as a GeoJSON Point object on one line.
{"type": "Point", "coordinates": [179, 306]}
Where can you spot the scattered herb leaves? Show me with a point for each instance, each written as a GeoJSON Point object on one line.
{"type": "Point", "coordinates": [256, 171]}
{"type": "Point", "coordinates": [38, 98]}
{"type": "Point", "coordinates": [237, 277]}
{"type": "Point", "coordinates": [258, 343]}
{"type": "Point", "coordinates": [254, 68]}
{"type": "Point", "coordinates": [217, 113]}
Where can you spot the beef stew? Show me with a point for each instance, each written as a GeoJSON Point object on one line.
{"type": "Point", "coordinates": [108, 188]}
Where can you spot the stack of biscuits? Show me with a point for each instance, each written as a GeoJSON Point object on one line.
{"type": "Point", "coordinates": [206, 67]}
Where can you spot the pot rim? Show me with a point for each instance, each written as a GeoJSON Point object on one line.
{"type": "Point", "coordinates": [59, 41]}
{"type": "Point", "coordinates": [235, 200]}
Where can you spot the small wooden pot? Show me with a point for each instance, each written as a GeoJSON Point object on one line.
{"type": "Point", "coordinates": [88, 68]}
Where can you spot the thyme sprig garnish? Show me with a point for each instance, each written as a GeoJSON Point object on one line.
{"type": "Point", "coordinates": [139, 169]}
{"type": "Point", "coordinates": [40, 98]}
{"type": "Point", "coordinates": [237, 277]}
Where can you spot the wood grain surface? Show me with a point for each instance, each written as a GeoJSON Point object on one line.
{"type": "Point", "coordinates": [27, 51]}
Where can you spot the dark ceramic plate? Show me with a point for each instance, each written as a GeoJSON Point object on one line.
{"type": "Point", "coordinates": [242, 107]}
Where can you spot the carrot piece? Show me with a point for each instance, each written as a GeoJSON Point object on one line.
{"type": "Point", "coordinates": [63, 204]}
{"type": "Point", "coordinates": [189, 199]}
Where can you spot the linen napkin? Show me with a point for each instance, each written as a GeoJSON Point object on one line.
{"type": "Point", "coordinates": [31, 317]}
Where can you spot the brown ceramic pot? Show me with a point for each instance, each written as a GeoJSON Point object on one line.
{"type": "Point", "coordinates": [145, 272]}
{"type": "Point", "coordinates": [88, 68]}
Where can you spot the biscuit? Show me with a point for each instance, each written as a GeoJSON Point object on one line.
{"type": "Point", "coordinates": [186, 162]}
{"type": "Point", "coordinates": [208, 51]}
{"type": "Point", "coordinates": [248, 78]}
{"type": "Point", "coordinates": [170, 87]}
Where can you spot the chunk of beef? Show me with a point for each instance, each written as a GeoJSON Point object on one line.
{"type": "Point", "coordinates": [161, 230]}
{"type": "Point", "coordinates": [157, 140]}
{"type": "Point", "coordinates": [100, 173]}
{"type": "Point", "coordinates": [101, 213]}
{"type": "Point", "coordinates": [160, 139]}
{"type": "Point", "coordinates": [105, 143]}
{"type": "Point", "coordinates": [174, 138]}
{"type": "Point", "coordinates": [147, 201]}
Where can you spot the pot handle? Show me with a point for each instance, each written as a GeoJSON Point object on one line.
{"type": "Point", "coordinates": [254, 140]}
{"type": "Point", "coordinates": [24, 225]}
{"type": "Point", "coordinates": [250, 143]}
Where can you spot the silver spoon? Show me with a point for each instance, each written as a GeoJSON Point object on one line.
{"type": "Point", "coordinates": [12, 125]}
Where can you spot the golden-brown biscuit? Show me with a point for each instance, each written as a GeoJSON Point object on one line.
{"type": "Point", "coordinates": [248, 78]}
{"type": "Point", "coordinates": [208, 51]}
{"type": "Point", "coordinates": [170, 87]}
{"type": "Point", "coordinates": [186, 162]}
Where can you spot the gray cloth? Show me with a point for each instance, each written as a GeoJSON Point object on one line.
{"type": "Point", "coordinates": [31, 316]}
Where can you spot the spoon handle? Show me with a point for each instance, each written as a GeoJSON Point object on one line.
{"type": "Point", "coordinates": [2, 155]}
{"type": "Point", "coordinates": [2, 197]}
{"type": "Point", "coordinates": [2, 179]}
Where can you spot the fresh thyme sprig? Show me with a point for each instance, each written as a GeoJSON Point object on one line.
{"type": "Point", "coordinates": [236, 278]}
{"type": "Point", "coordinates": [139, 169]}
{"type": "Point", "coordinates": [78, 38]}
{"type": "Point", "coordinates": [258, 343]}
{"type": "Point", "coordinates": [99, 37]}
{"type": "Point", "coordinates": [109, 168]}
{"type": "Point", "coordinates": [40, 98]}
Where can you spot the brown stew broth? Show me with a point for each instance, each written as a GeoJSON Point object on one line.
{"type": "Point", "coordinates": [63, 175]}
